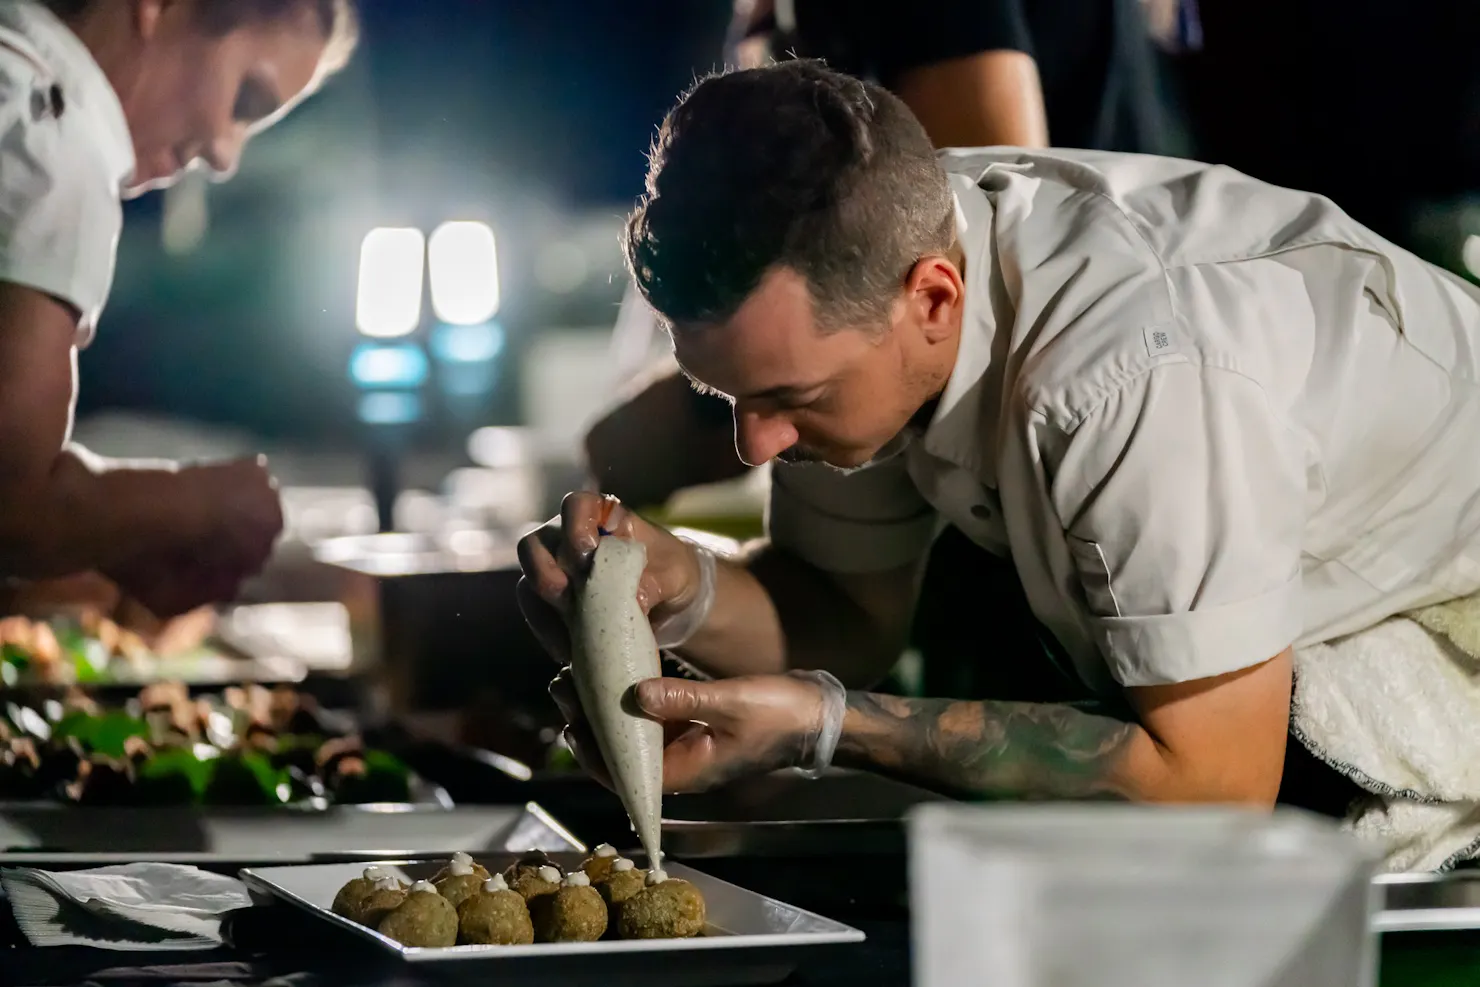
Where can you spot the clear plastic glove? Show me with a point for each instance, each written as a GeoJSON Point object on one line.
{"type": "Point", "coordinates": [717, 732]}
{"type": "Point", "coordinates": [557, 555]}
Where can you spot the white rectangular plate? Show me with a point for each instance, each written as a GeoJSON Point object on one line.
{"type": "Point", "coordinates": [751, 938]}
{"type": "Point", "coordinates": [276, 836]}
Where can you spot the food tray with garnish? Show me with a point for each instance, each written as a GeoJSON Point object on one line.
{"type": "Point", "coordinates": [244, 747]}
{"type": "Point", "coordinates": [667, 929]}
{"type": "Point", "coordinates": [42, 656]}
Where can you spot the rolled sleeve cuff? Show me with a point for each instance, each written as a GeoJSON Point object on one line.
{"type": "Point", "coordinates": [61, 286]}
{"type": "Point", "coordinates": [1199, 644]}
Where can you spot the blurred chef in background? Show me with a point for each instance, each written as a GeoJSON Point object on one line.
{"type": "Point", "coordinates": [99, 100]}
{"type": "Point", "coordinates": [977, 73]}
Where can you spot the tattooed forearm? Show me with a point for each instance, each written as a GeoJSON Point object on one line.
{"type": "Point", "coordinates": [1021, 750]}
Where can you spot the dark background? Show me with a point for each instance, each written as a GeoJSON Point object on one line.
{"type": "Point", "coordinates": [520, 113]}
{"type": "Point", "coordinates": [534, 115]}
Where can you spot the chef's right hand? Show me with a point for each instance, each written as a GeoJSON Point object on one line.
{"type": "Point", "coordinates": [557, 555]}
{"type": "Point", "coordinates": [713, 732]}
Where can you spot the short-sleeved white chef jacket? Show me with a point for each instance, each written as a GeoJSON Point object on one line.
{"type": "Point", "coordinates": [65, 157]}
{"type": "Point", "coordinates": [1207, 418]}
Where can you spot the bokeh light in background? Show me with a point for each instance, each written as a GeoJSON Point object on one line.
{"type": "Point", "coordinates": [390, 408]}
{"type": "Point", "coordinates": [463, 260]}
{"type": "Point", "coordinates": [401, 365]}
{"type": "Point", "coordinates": [392, 269]}
{"type": "Point", "coordinates": [239, 308]}
{"type": "Point", "coordinates": [479, 343]}
{"type": "Point", "coordinates": [467, 365]}
{"type": "Point", "coordinates": [497, 448]}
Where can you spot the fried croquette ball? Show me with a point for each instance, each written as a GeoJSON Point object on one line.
{"type": "Point", "coordinates": [346, 902]}
{"type": "Point", "coordinates": [537, 883]}
{"type": "Point", "coordinates": [599, 864]}
{"type": "Point", "coordinates": [531, 863]}
{"type": "Point", "coordinates": [461, 865]}
{"type": "Point", "coordinates": [495, 916]}
{"type": "Point", "coordinates": [375, 906]}
{"type": "Point", "coordinates": [459, 888]}
{"type": "Point", "coordinates": [665, 909]}
{"type": "Point", "coordinates": [573, 913]}
{"type": "Point", "coordinates": [424, 919]}
{"type": "Point", "coordinates": [624, 881]}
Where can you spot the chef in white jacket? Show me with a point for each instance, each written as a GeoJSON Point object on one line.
{"type": "Point", "coordinates": [101, 99]}
{"type": "Point", "coordinates": [1209, 420]}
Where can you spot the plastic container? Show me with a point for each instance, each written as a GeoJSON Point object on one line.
{"type": "Point", "coordinates": [1129, 896]}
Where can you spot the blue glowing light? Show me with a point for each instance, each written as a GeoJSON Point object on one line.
{"type": "Point", "coordinates": [390, 408]}
{"type": "Point", "coordinates": [479, 343]}
{"type": "Point", "coordinates": [388, 365]}
{"type": "Point", "coordinates": [467, 380]}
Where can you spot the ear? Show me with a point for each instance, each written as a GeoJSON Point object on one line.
{"type": "Point", "coordinates": [933, 296]}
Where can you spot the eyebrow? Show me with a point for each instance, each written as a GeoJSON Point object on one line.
{"type": "Point", "coordinates": [780, 392]}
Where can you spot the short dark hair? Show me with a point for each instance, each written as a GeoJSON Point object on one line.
{"type": "Point", "coordinates": [790, 165]}
{"type": "Point", "coordinates": [339, 20]}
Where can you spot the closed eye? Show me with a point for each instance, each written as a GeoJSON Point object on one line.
{"type": "Point", "coordinates": [813, 399]}
{"type": "Point", "coordinates": [255, 102]}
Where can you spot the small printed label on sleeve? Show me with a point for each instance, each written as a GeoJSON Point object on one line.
{"type": "Point", "coordinates": [1160, 340]}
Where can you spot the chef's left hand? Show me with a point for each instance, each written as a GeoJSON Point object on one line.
{"type": "Point", "coordinates": [714, 732]}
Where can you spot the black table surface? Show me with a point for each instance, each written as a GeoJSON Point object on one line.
{"type": "Point", "coordinates": [1409, 960]}
{"type": "Point", "coordinates": [271, 946]}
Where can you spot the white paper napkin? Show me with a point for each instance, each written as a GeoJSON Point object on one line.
{"type": "Point", "coordinates": [130, 907]}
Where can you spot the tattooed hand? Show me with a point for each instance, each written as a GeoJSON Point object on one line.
{"type": "Point", "coordinates": [715, 732]}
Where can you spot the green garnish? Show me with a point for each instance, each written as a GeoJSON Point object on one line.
{"type": "Point", "coordinates": [14, 654]}
{"type": "Point", "coordinates": [103, 734]}
{"type": "Point", "coordinates": [179, 765]}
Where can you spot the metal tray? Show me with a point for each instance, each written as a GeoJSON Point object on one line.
{"type": "Point", "coordinates": [1428, 902]}
{"type": "Point", "coordinates": [751, 939]}
{"type": "Point", "coordinates": [422, 794]}
{"type": "Point", "coordinates": [271, 836]}
{"type": "Point", "coordinates": [787, 815]}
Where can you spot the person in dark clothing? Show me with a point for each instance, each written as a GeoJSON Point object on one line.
{"type": "Point", "coordinates": [1095, 68]}
{"type": "Point", "coordinates": [1375, 108]}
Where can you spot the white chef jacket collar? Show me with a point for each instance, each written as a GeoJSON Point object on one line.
{"type": "Point", "coordinates": [963, 429]}
{"type": "Point", "coordinates": [63, 56]}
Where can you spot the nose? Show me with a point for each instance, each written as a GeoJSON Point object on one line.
{"type": "Point", "coordinates": [223, 154]}
{"type": "Point", "coordinates": [760, 438]}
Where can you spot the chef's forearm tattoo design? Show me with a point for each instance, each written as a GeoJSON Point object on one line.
{"type": "Point", "coordinates": [985, 749]}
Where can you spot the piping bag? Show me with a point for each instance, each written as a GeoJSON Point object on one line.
{"type": "Point", "coordinates": [613, 649]}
